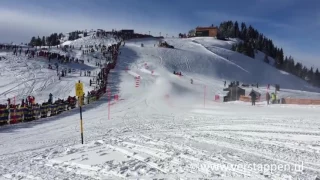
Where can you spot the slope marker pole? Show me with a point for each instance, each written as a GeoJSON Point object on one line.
{"type": "Point", "coordinates": [14, 110]}
{"type": "Point", "coordinates": [81, 121]}
{"type": "Point", "coordinates": [204, 96]}
{"type": "Point", "coordinates": [109, 95]}
{"type": "Point", "coordinates": [80, 94]}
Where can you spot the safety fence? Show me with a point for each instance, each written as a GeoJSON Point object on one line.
{"type": "Point", "coordinates": [246, 98]}
{"type": "Point", "coordinates": [287, 100]}
{"type": "Point", "coordinates": [17, 113]}
{"type": "Point", "coordinates": [301, 101]}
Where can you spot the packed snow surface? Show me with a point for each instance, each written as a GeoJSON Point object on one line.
{"type": "Point", "coordinates": [167, 127]}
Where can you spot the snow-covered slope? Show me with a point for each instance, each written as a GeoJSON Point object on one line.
{"type": "Point", "coordinates": [21, 77]}
{"type": "Point", "coordinates": [209, 61]}
{"type": "Point", "coordinates": [169, 128]}
{"type": "Point", "coordinates": [258, 71]}
{"type": "Point", "coordinates": [91, 41]}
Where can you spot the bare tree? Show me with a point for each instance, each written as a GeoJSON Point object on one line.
{"type": "Point", "coordinates": [192, 32]}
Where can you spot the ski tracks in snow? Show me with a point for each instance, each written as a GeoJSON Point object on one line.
{"type": "Point", "coordinates": [157, 145]}
{"type": "Point", "coordinates": [144, 141]}
{"type": "Point", "coordinates": [220, 57]}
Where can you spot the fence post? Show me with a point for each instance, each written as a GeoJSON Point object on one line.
{"type": "Point", "coordinates": [109, 97]}
{"type": "Point", "coordinates": [204, 96]}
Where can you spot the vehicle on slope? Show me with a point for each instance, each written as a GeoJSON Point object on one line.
{"type": "Point", "coordinates": [165, 44]}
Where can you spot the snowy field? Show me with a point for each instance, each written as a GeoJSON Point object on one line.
{"type": "Point", "coordinates": [21, 77]}
{"type": "Point", "coordinates": [168, 128]}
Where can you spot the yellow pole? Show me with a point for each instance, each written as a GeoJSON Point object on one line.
{"type": "Point", "coordinates": [81, 122]}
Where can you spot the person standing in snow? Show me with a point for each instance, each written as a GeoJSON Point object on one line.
{"type": "Point", "coordinates": [22, 103]}
{"type": "Point", "coordinates": [50, 98]}
{"type": "Point", "coordinates": [278, 99]}
{"type": "Point", "coordinates": [273, 98]}
{"type": "Point", "coordinates": [268, 98]}
{"type": "Point", "coordinates": [9, 102]}
{"type": "Point", "coordinates": [33, 100]}
{"type": "Point", "coordinates": [253, 97]}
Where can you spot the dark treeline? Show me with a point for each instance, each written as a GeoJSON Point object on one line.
{"type": "Point", "coordinates": [54, 39]}
{"type": "Point", "coordinates": [254, 40]}
{"type": "Point", "coordinates": [75, 35]}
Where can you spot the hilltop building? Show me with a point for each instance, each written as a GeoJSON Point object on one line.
{"type": "Point", "coordinates": [207, 31]}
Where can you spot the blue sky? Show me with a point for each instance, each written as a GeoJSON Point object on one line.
{"type": "Point", "coordinates": [291, 24]}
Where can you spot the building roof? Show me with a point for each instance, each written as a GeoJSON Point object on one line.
{"type": "Point", "coordinates": [233, 88]}
{"type": "Point", "coordinates": [203, 28]}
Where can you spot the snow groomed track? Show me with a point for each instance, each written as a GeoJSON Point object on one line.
{"type": "Point", "coordinates": [163, 129]}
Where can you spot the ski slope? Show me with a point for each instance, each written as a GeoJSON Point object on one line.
{"type": "Point", "coordinates": [21, 77]}
{"type": "Point", "coordinates": [168, 128]}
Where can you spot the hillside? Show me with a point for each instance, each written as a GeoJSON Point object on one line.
{"type": "Point", "coordinates": [258, 71]}
{"type": "Point", "coordinates": [252, 41]}
{"type": "Point", "coordinates": [165, 127]}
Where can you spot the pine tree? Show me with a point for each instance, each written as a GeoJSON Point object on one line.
{"type": "Point", "coordinates": [231, 30]}
{"type": "Point", "coordinates": [33, 41]}
{"type": "Point", "coordinates": [234, 47]}
{"type": "Point", "coordinates": [266, 59]}
{"type": "Point", "coordinates": [281, 55]}
{"type": "Point", "coordinates": [192, 32]}
{"type": "Point", "coordinates": [298, 69]}
{"type": "Point", "coordinates": [61, 35]}
{"type": "Point", "coordinates": [38, 42]}
{"type": "Point", "coordinates": [236, 30]}
{"type": "Point", "coordinates": [310, 74]}
{"type": "Point", "coordinates": [43, 41]}
{"type": "Point", "coordinates": [48, 41]}
{"type": "Point", "coordinates": [317, 78]}
{"type": "Point", "coordinates": [243, 31]}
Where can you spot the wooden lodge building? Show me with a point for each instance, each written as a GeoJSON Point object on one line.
{"type": "Point", "coordinates": [207, 31]}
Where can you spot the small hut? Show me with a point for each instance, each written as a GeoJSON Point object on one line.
{"type": "Point", "coordinates": [234, 93]}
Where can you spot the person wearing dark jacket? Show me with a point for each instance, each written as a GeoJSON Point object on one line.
{"type": "Point", "coordinates": [9, 102]}
{"type": "Point", "coordinates": [22, 103]}
{"type": "Point", "coordinates": [268, 98]}
{"type": "Point", "coordinates": [253, 97]}
{"type": "Point", "coordinates": [50, 98]}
